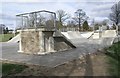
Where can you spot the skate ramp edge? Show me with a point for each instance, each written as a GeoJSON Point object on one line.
{"type": "Point", "coordinates": [14, 39]}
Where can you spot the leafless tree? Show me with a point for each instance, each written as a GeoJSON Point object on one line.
{"type": "Point", "coordinates": [71, 23]}
{"type": "Point", "coordinates": [62, 16]}
{"type": "Point", "coordinates": [80, 17]}
{"type": "Point", "coordinates": [31, 20]}
{"type": "Point", "coordinates": [41, 20]}
{"type": "Point", "coordinates": [115, 14]}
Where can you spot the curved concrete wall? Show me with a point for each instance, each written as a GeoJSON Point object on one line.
{"type": "Point", "coordinates": [109, 33]}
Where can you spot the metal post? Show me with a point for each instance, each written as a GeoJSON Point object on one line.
{"type": "Point", "coordinates": [35, 21]}
{"type": "Point", "coordinates": [79, 22]}
{"type": "Point", "coordinates": [117, 24]}
{"type": "Point", "coordinates": [22, 21]}
{"type": "Point", "coordinates": [116, 29]}
{"type": "Point", "coordinates": [55, 21]}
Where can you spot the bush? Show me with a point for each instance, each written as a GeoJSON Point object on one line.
{"type": "Point", "coordinates": [10, 69]}
{"type": "Point", "coordinates": [114, 59]}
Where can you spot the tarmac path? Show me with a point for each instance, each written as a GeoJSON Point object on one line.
{"type": "Point", "coordinates": [9, 52]}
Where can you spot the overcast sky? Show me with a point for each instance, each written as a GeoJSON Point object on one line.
{"type": "Point", "coordinates": [97, 9]}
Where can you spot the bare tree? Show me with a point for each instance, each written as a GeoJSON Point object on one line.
{"type": "Point", "coordinates": [105, 22]}
{"type": "Point", "coordinates": [80, 17]}
{"type": "Point", "coordinates": [71, 23]}
{"type": "Point", "coordinates": [115, 14]}
{"type": "Point", "coordinates": [31, 19]}
{"type": "Point", "coordinates": [41, 20]}
{"type": "Point", "coordinates": [62, 16]}
{"type": "Point", "coordinates": [97, 25]}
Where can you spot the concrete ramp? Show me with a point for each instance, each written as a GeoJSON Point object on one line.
{"type": "Point", "coordinates": [104, 34]}
{"type": "Point", "coordinates": [43, 42]}
{"type": "Point", "coordinates": [66, 34]}
{"type": "Point", "coordinates": [106, 42]}
{"type": "Point", "coordinates": [116, 39]}
{"type": "Point", "coordinates": [109, 33]}
{"type": "Point", "coordinates": [72, 34]}
{"type": "Point", "coordinates": [87, 34]}
{"type": "Point", "coordinates": [63, 38]}
{"type": "Point", "coordinates": [14, 39]}
{"type": "Point", "coordinates": [95, 36]}
{"type": "Point", "coordinates": [77, 34]}
{"type": "Point", "coordinates": [61, 44]}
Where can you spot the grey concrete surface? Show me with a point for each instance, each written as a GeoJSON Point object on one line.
{"type": "Point", "coordinates": [84, 46]}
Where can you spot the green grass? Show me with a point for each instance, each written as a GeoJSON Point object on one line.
{"type": "Point", "coordinates": [5, 37]}
{"type": "Point", "coordinates": [114, 59]}
{"type": "Point", "coordinates": [11, 69]}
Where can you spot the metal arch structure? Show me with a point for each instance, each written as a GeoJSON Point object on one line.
{"type": "Point", "coordinates": [35, 12]}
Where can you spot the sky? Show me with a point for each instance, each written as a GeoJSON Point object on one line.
{"type": "Point", "coordinates": [95, 9]}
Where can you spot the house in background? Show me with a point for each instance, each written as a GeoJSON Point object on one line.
{"type": "Point", "coordinates": [2, 27]}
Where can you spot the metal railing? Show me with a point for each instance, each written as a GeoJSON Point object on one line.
{"type": "Point", "coordinates": [33, 19]}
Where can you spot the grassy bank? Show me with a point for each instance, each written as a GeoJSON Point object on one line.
{"type": "Point", "coordinates": [5, 37]}
{"type": "Point", "coordinates": [11, 69]}
{"type": "Point", "coordinates": [114, 59]}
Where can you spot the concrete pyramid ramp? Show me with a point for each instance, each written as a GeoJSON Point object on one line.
{"type": "Point", "coordinates": [14, 39]}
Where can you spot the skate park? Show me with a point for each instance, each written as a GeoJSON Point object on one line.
{"type": "Point", "coordinates": [50, 47]}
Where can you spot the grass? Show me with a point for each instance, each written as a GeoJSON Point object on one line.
{"type": "Point", "coordinates": [114, 59]}
{"type": "Point", "coordinates": [5, 37]}
{"type": "Point", "coordinates": [11, 69]}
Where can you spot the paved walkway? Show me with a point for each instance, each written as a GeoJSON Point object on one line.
{"type": "Point", "coordinates": [9, 52]}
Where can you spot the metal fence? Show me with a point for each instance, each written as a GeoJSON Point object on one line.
{"type": "Point", "coordinates": [38, 19]}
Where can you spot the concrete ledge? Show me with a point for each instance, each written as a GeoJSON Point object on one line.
{"type": "Point", "coordinates": [20, 51]}
{"type": "Point", "coordinates": [41, 29]}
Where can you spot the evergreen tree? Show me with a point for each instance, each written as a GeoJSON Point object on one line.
{"type": "Point", "coordinates": [85, 26]}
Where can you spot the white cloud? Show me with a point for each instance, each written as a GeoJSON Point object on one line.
{"type": "Point", "coordinates": [59, 0]}
{"type": "Point", "coordinates": [93, 8]}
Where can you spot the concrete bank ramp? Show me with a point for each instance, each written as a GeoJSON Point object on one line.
{"type": "Point", "coordinates": [62, 41]}
{"type": "Point", "coordinates": [14, 39]}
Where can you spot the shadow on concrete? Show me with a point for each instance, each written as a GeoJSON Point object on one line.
{"type": "Point", "coordinates": [58, 58]}
{"type": "Point", "coordinates": [88, 66]}
{"type": "Point", "coordinates": [72, 68]}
